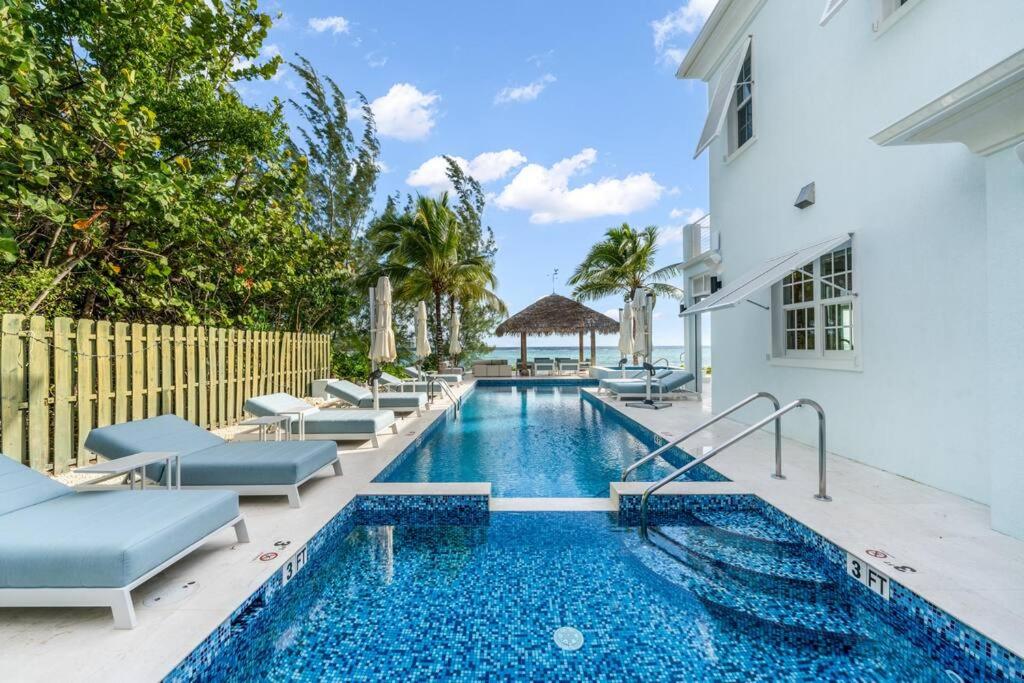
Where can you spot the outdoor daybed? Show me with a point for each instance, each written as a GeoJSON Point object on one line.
{"type": "Point", "coordinates": [663, 384]}
{"type": "Point", "coordinates": [209, 462]}
{"type": "Point", "coordinates": [391, 383]}
{"type": "Point", "coordinates": [66, 548]}
{"type": "Point", "coordinates": [309, 422]}
{"type": "Point", "coordinates": [450, 377]}
{"type": "Point", "coordinates": [361, 397]}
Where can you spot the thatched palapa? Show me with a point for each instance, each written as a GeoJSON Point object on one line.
{"type": "Point", "coordinates": [556, 314]}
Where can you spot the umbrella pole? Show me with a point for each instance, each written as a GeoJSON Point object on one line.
{"type": "Point", "coordinates": [373, 333]}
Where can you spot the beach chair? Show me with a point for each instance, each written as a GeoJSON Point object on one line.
{"type": "Point", "coordinates": [309, 422]}
{"type": "Point", "coordinates": [567, 366]}
{"type": "Point", "coordinates": [361, 397]}
{"type": "Point", "coordinates": [65, 548]}
{"type": "Point", "coordinates": [391, 383]}
{"type": "Point", "coordinates": [210, 462]}
{"type": "Point", "coordinates": [450, 377]}
{"type": "Point", "coordinates": [543, 365]}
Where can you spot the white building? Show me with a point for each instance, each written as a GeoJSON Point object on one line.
{"type": "Point", "coordinates": [894, 296]}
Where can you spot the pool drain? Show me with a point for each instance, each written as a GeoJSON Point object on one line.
{"type": "Point", "coordinates": [568, 638]}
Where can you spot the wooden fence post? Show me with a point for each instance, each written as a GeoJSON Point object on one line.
{"type": "Point", "coordinates": [201, 388]}
{"type": "Point", "coordinates": [152, 371]}
{"type": "Point", "coordinates": [63, 432]}
{"type": "Point", "coordinates": [138, 365]}
{"type": "Point", "coordinates": [166, 371]}
{"type": "Point", "coordinates": [38, 395]}
{"type": "Point", "coordinates": [84, 390]}
{"type": "Point", "coordinates": [120, 372]}
{"type": "Point", "coordinates": [179, 371]}
{"type": "Point", "coordinates": [102, 373]}
{"type": "Point", "coordinates": [12, 387]}
{"type": "Point", "coordinates": [191, 378]}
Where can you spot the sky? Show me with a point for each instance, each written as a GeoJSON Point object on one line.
{"type": "Point", "coordinates": [568, 112]}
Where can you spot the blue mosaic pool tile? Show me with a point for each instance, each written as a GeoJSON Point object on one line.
{"type": "Point", "coordinates": [428, 431]}
{"type": "Point", "coordinates": [461, 509]}
{"type": "Point", "coordinates": [664, 508]}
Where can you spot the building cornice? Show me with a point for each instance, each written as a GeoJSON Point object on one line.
{"type": "Point", "coordinates": [720, 31]}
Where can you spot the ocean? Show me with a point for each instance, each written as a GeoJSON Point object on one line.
{"type": "Point", "coordinates": [606, 355]}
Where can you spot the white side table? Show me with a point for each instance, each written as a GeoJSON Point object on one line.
{"type": "Point", "coordinates": [262, 424]}
{"type": "Point", "coordinates": [130, 464]}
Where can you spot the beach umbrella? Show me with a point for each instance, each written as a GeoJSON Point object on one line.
{"type": "Point", "coordinates": [422, 337]}
{"type": "Point", "coordinates": [640, 321]}
{"type": "Point", "coordinates": [455, 346]}
{"type": "Point", "coordinates": [382, 349]}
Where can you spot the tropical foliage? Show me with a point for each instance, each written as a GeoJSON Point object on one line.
{"type": "Point", "coordinates": [622, 263]}
{"type": "Point", "coordinates": [136, 184]}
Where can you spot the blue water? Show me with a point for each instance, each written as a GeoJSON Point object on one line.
{"type": "Point", "coordinates": [481, 602]}
{"type": "Point", "coordinates": [537, 442]}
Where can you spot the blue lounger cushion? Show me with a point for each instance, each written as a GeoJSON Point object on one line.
{"type": "Point", "coordinates": [256, 463]}
{"type": "Point", "coordinates": [105, 539]}
{"type": "Point", "coordinates": [363, 398]}
{"type": "Point", "coordinates": [321, 421]}
{"type": "Point", "coordinates": [21, 487]}
{"type": "Point", "coordinates": [207, 459]}
{"type": "Point", "coordinates": [674, 381]}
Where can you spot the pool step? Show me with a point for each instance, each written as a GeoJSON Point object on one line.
{"type": "Point", "coordinates": [747, 523]}
{"type": "Point", "coordinates": [813, 608]}
{"type": "Point", "coordinates": [783, 561]}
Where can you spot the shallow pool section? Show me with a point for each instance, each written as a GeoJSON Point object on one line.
{"type": "Point", "coordinates": [537, 441]}
{"type": "Point", "coordinates": [570, 597]}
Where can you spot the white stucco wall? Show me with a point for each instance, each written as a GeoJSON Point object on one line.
{"type": "Point", "coordinates": [1006, 339]}
{"type": "Point", "coordinates": [918, 405]}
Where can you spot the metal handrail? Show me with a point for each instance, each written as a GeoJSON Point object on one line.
{"type": "Point", "coordinates": [660, 360]}
{"type": "Point", "coordinates": [456, 401]}
{"type": "Point", "coordinates": [822, 489]}
{"type": "Point", "coordinates": [749, 399]}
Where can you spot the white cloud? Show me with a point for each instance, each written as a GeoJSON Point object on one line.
{"type": "Point", "coordinates": [675, 190]}
{"type": "Point", "coordinates": [684, 21]}
{"type": "Point", "coordinates": [612, 313]}
{"type": "Point", "coordinates": [524, 93]}
{"type": "Point", "coordinates": [691, 215]}
{"type": "Point", "coordinates": [545, 192]}
{"type": "Point", "coordinates": [375, 61]}
{"type": "Point", "coordinates": [334, 24]}
{"type": "Point", "coordinates": [486, 167]}
{"type": "Point", "coordinates": [405, 113]}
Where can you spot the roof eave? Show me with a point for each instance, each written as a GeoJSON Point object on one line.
{"type": "Point", "coordinates": [726, 23]}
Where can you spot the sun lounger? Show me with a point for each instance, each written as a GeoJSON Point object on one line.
{"type": "Point", "coordinates": [392, 383]}
{"type": "Point", "coordinates": [567, 365]}
{"type": "Point", "coordinates": [361, 397]}
{"type": "Point", "coordinates": [310, 422]}
{"type": "Point", "coordinates": [662, 387]}
{"type": "Point", "coordinates": [543, 365]}
{"type": "Point", "coordinates": [450, 377]}
{"type": "Point", "coordinates": [62, 548]}
{"type": "Point", "coordinates": [210, 462]}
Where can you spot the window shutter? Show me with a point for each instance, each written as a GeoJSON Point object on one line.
{"type": "Point", "coordinates": [832, 7]}
{"type": "Point", "coordinates": [723, 95]}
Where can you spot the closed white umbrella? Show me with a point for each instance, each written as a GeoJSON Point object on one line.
{"type": "Point", "coordinates": [626, 330]}
{"type": "Point", "coordinates": [382, 348]}
{"type": "Point", "coordinates": [640, 323]}
{"type": "Point", "coordinates": [422, 337]}
{"type": "Point", "coordinates": [455, 346]}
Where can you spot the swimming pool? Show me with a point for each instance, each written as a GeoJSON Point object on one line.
{"type": "Point", "coordinates": [721, 595]}
{"type": "Point", "coordinates": [536, 440]}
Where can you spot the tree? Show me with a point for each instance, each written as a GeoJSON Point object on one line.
{"type": "Point", "coordinates": [342, 174]}
{"type": "Point", "coordinates": [622, 263]}
{"type": "Point", "coordinates": [421, 252]}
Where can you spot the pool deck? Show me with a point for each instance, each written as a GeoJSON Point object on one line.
{"type": "Point", "coordinates": [961, 565]}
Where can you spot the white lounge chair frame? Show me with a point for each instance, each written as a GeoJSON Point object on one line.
{"type": "Point", "coordinates": [119, 600]}
{"type": "Point", "coordinates": [347, 436]}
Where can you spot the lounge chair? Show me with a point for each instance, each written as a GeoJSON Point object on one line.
{"type": "Point", "coordinates": [309, 422]}
{"type": "Point", "coordinates": [543, 365]}
{"type": "Point", "coordinates": [209, 462]}
{"type": "Point", "coordinates": [361, 397]}
{"type": "Point", "coordinates": [670, 382]}
{"type": "Point", "coordinates": [391, 383]}
{"type": "Point", "coordinates": [567, 365]}
{"type": "Point", "coordinates": [450, 377]}
{"type": "Point", "coordinates": [62, 548]}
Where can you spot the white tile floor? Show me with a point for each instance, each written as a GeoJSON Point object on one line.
{"type": "Point", "coordinates": [962, 565]}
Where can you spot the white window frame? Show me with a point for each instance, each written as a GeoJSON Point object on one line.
{"type": "Point", "coordinates": [891, 11]}
{"type": "Point", "coordinates": [818, 357]}
{"type": "Point", "coordinates": [734, 147]}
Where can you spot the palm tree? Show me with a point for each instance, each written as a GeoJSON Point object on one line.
{"type": "Point", "coordinates": [421, 255]}
{"type": "Point", "coordinates": [622, 263]}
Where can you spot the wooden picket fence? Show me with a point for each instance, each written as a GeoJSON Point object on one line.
{"type": "Point", "coordinates": [59, 380]}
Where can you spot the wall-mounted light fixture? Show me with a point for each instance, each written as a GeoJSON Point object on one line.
{"type": "Point", "coordinates": [806, 196]}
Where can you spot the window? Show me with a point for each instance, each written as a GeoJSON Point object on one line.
{"type": "Point", "coordinates": [741, 126]}
{"type": "Point", "coordinates": [813, 315]}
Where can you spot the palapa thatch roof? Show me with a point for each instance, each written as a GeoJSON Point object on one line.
{"type": "Point", "coordinates": [556, 314]}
